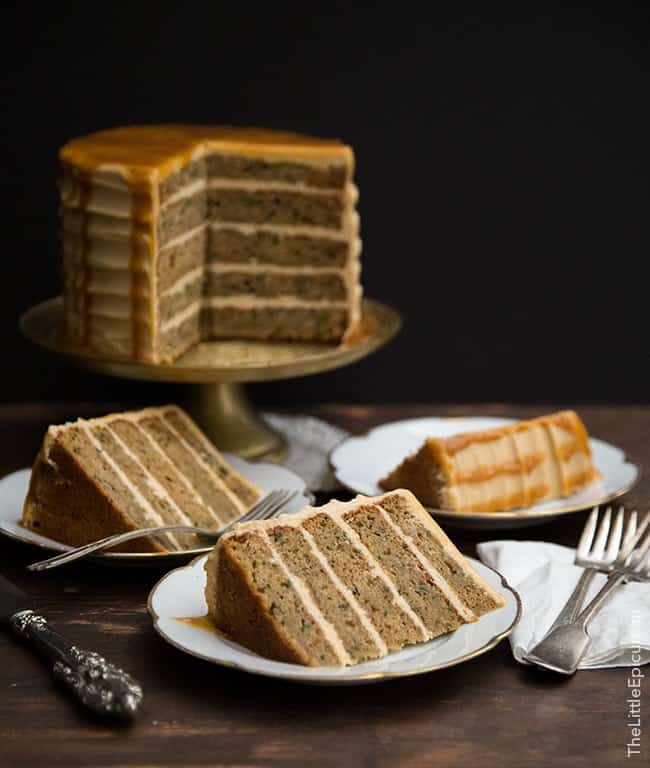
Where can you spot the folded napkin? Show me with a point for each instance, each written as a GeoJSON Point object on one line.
{"type": "Point", "coordinates": [310, 442]}
{"type": "Point", "coordinates": [545, 575]}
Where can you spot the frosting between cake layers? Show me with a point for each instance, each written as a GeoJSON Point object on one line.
{"type": "Point", "coordinates": [363, 617]}
{"type": "Point", "coordinates": [329, 632]}
{"type": "Point", "coordinates": [149, 512]}
{"type": "Point", "coordinates": [336, 511]}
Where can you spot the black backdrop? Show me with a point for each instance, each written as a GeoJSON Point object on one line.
{"type": "Point", "coordinates": [502, 163]}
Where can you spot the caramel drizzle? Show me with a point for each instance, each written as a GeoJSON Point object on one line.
{"type": "Point", "coordinates": [557, 456]}
{"type": "Point", "coordinates": [523, 466]}
{"type": "Point", "coordinates": [84, 195]}
{"type": "Point", "coordinates": [525, 463]}
{"type": "Point", "coordinates": [141, 229]}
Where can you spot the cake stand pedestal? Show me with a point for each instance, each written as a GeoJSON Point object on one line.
{"type": "Point", "coordinates": [216, 371]}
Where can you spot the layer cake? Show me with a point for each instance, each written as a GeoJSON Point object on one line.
{"type": "Point", "coordinates": [94, 478]}
{"type": "Point", "coordinates": [342, 583]}
{"type": "Point", "coordinates": [500, 469]}
{"type": "Point", "coordinates": [172, 234]}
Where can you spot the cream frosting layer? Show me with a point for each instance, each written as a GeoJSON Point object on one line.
{"type": "Point", "coordinates": [346, 592]}
{"type": "Point", "coordinates": [117, 201]}
{"type": "Point", "coordinates": [329, 632]}
{"type": "Point", "coordinates": [242, 301]}
{"type": "Point", "coordinates": [148, 511]}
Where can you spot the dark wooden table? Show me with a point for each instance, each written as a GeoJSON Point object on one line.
{"type": "Point", "coordinates": [487, 712]}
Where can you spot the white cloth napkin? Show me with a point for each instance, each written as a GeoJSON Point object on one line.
{"type": "Point", "coordinates": [545, 575]}
{"type": "Point", "coordinates": [310, 442]}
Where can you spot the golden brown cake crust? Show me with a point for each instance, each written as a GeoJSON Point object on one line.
{"type": "Point", "coordinates": [240, 614]}
{"type": "Point", "coordinates": [423, 474]}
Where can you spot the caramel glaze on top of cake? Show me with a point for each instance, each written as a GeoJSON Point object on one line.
{"type": "Point", "coordinates": [145, 155]}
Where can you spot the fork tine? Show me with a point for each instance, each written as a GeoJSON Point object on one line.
{"type": "Point", "coordinates": [260, 506]}
{"type": "Point", "coordinates": [584, 545]}
{"type": "Point", "coordinates": [638, 555]}
{"type": "Point", "coordinates": [276, 504]}
{"type": "Point", "coordinates": [634, 540]}
{"type": "Point", "coordinates": [615, 536]}
{"type": "Point", "coordinates": [269, 502]}
{"type": "Point", "coordinates": [643, 568]}
{"type": "Point", "coordinates": [630, 530]}
{"type": "Point", "coordinates": [288, 495]}
{"type": "Point", "coordinates": [598, 547]}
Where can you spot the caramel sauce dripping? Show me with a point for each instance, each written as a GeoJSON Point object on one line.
{"type": "Point", "coordinates": [201, 622]}
{"type": "Point", "coordinates": [363, 330]}
{"type": "Point", "coordinates": [142, 244]}
{"type": "Point", "coordinates": [84, 195]}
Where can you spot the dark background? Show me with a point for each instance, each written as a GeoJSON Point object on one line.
{"type": "Point", "coordinates": [502, 162]}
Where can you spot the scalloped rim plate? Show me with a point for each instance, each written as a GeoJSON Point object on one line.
{"type": "Point", "coordinates": [360, 461]}
{"type": "Point", "coordinates": [13, 489]}
{"type": "Point", "coordinates": [179, 595]}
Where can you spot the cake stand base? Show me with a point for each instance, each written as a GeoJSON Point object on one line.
{"type": "Point", "coordinates": [229, 419]}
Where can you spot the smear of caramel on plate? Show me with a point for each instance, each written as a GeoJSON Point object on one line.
{"type": "Point", "coordinates": [201, 622]}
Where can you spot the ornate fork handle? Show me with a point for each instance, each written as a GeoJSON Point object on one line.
{"type": "Point", "coordinates": [99, 685]}
{"type": "Point", "coordinates": [564, 646]}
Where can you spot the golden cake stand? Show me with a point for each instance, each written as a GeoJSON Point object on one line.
{"type": "Point", "coordinates": [216, 371]}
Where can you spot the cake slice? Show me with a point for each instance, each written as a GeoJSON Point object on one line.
{"type": "Point", "coordinates": [499, 469]}
{"type": "Point", "coordinates": [342, 583]}
{"type": "Point", "coordinates": [94, 478]}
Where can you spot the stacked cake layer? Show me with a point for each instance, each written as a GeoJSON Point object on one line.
{"type": "Point", "coordinates": [132, 470]}
{"type": "Point", "coordinates": [342, 583]}
{"type": "Point", "coordinates": [172, 234]}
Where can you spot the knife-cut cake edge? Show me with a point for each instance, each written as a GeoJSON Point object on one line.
{"type": "Point", "coordinates": [98, 477]}
{"type": "Point", "coordinates": [343, 583]}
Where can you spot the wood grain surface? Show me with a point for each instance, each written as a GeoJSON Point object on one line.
{"type": "Point", "coordinates": [487, 712]}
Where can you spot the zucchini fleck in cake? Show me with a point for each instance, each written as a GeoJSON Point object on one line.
{"type": "Point", "coordinates": [173, 233]}
{"type": "Point", "coordinates": [499, 469]}
{"type": "Point", "coordinates": [97, 477]}
{"type": "Point", "coordinates": [343, 583]}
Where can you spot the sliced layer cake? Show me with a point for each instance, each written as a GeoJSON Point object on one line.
{"type": "Point", "coordinates": [132, 470]}
{"type": "Point", "coordinates": [176, 233]}
{"type": "Point", "coordinates": [500, 469]}
{"type": "Point", "coordinates": [342, 583]}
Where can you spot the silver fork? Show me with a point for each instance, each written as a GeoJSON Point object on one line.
{"type": "Point", "coordinates": [271, 505]}
{"type": "Point", "coordinates": [598, 548]}
{"type": "Point", "coordinates": [563, 648]}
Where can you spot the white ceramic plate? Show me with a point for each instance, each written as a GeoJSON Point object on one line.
{"type": "Point", "coordinates": [178, 596]}
{"type": "Point", "coordinates": [13, 489]}
{"type": "Point", "coordinates": [360, 462]}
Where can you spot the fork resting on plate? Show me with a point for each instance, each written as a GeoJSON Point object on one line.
{"type": "Point", "coordinates": [271, 505]}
